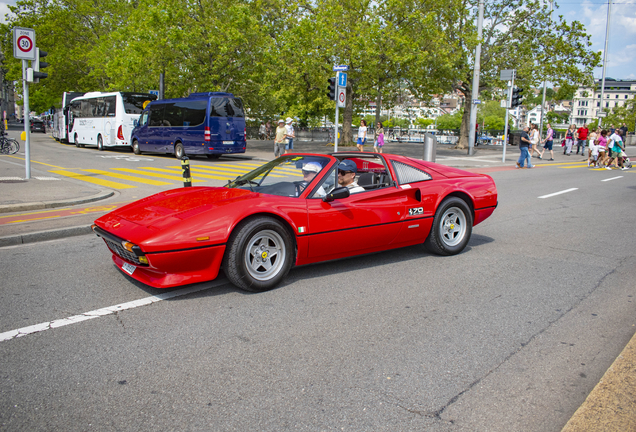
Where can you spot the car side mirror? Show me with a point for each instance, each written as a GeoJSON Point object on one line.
{"type": "Point", "coordinates": [337, 193]}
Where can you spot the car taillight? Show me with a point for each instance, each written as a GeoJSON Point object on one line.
{"type": "Point", "coordinates": [207, 133]}
{"type": "Point", "coordinates": [120, 132]}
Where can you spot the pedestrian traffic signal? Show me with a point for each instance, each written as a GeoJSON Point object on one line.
{"type": "Point", "coordinates": [517, 98]}
{"type": "Point", "coordinates": [332, 89]}
{"type": "Point", "coordinates": [38, 64]}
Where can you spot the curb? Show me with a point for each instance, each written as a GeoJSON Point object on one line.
{"type": "Point", "coordinates": [39, 236]}
{"type": "Point", "coordinates": [39, 205]}
{"type": "Point", "coordinates": [611, 405]}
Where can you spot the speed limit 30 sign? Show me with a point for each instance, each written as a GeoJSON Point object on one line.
{"type": "Point", "coordinates": [24, 43]}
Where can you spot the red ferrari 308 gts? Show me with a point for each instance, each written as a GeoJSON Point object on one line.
{"type": "Point", "coordinates": [295, 210]}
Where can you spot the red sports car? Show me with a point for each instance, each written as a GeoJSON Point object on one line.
{"type": "Point", "coordinates": [295, 210]}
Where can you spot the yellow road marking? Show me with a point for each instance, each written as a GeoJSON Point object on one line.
{"type": "Point", "coordinates": [32, 219]}
{"type": "Point", "coordinates": [89, 179]}
{"type": "Point", "coordinates": [149, 174]}
{"type": "Point", "coordinates": [224, 171]}
{"type": "Point", "coordinates": [127, 177]}
{"type": "Point", "coordinates": [36, 212]}
{"type": "Point", "coordinates": [41, 163]}
{"type": "Point", "coordinates": [577, 166]}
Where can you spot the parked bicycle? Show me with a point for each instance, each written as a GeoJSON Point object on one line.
{"type": "Point", "coordinates": [8, 145]}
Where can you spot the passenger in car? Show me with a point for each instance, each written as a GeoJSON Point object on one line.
{"type": "Point", "coordinates": [347, 176]}
{"type": "Point", "coordinates": [310, 170]}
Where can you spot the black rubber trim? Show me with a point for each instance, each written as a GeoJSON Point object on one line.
{"type": "Point", "coordinates": [368, 226]}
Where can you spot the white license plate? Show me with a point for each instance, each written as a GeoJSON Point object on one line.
{"type": "Point", "coordinates": [128, 268]}
{"type": "Point", "coordinates": [228, 142]}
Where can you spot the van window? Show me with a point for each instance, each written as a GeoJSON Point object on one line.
{"type": "Point", "coordinates": [172, 116]}
{"type": "Point", "coordinates": [226, 107]}
{"type": "Point", "coordinates": [156, 115]}
{"type": "Point", "coordinates": [193, 112]}
{"type": "Point", "coordinates": [144, 119]}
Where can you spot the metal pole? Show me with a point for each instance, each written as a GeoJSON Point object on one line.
{"type": "Point", "coordinates": [544, 84]}
{"type": "Point", "coordinates": [335, 137]}
{"type": "Point", "coordinates": [511, 85]}
{"type": "Point", "coordinates": [475, 93]}
{"type": "Point", "coordinates": [600, 108]}
{"type": "Point", "coordinates": [27, 122]}
{"type": "Point", "coordinates": [161, 85]}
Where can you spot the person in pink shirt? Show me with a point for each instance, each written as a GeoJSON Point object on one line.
{"type": "Point", "coordinates": [601, 141]}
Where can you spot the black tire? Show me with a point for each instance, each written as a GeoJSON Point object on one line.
{"type": "Point", "coordinates": [135, 147]}
{"type": "Point", "coordinates": [100, 143]}
{"type": "Point", "coordinates": [178, 150]}
{"type": "Point", "coordinates": [213, 156]}
{"type": "Point", "coordinates": [77, 144]}
{"type": "Point", "coordinates": [452, 227]}
{"type": "Point", "coordinates": [275, 246]}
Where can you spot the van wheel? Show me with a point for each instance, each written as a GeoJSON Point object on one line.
{"type": "Point", "coordinates": [100, 143]}
{"type": "Point", "coordinates": [135, 147]}
{"type": "Point", "coordinates": [178, 151]}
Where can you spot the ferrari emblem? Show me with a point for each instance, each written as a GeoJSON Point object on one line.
{"type": "Point", "coordinates": [452, 226]}
{"type": "Point", "coordinates": [264, 255]}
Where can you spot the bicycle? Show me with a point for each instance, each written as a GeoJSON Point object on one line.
{"type": "Point", "coordinates": [8, 146]}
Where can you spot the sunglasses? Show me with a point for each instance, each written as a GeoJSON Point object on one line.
{"type": "Point", "coordinates": [308, 172]}
{"type": "Point", "coordinates": [341, 172]}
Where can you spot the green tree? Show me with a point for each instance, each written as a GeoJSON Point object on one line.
{"type": "Point", "coordinates": [623, 114]}
{"type": "Point", "coordinates": [450, 121]}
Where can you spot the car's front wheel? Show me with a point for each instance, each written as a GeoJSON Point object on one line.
{"type": "Point", "coordinates": [259, 254]}
{"type": "Point", "coordinates": [452, 227]}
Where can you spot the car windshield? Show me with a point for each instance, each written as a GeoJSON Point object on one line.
{"type": "Point", "coordinates": [285, 176]}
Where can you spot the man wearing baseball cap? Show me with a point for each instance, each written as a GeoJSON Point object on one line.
{"type": "Point", "coordinates": [347, 176]}
{"type": "Point", "coordinates": [279, 140]}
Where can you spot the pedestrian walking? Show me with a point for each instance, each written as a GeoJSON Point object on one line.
{"type": "Point", "coordinates": [290, 134]}
{"type": "Point", "coordinates": [523, 148]}
{"type": "Point", "coordinates": [569, 139]}
{"type": "Point", "coordinates": [362, 135]}
{"type": "Point", "coordinates": [581, 136]}
{"type": "Point", "coordinates": [268, 129]}
{"type": "Point", "coordinates": [261, 131]}
{"type": "Point", "coordinates": [534, 140]}
{"type": "Point", "coordinates": [594, 151]}
{"type": "Point", "coordinates": [547, 143]}
{"type": "Point", "coordinates": [624, 129]}
{"type": "Point", "coordinates": [379, 138]}
{"type": "Point", "coordinates": [601, 141]}
{"type": "Point", "coordinates": [279, 140]}
{"type": "Point", "coordinates": [592, 143]}
{"type": "Point", "coordinates": [616, 150]}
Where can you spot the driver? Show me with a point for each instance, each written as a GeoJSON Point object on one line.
{"type": "Point", "coordinates": [310, 170]}
{"type": "Point", "coordinates": [347, 176]}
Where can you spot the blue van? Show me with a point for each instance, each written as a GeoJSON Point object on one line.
{"type": "Point", "coordinates": [208, 124]}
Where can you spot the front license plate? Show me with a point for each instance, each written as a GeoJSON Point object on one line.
{"type": "Point", "coordinates": [228, 142]}
{"type": "Point", "coordinates": [128, 268]}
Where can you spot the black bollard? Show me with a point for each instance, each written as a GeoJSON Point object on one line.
{"type": "Point", "coordinates": [185, 165]}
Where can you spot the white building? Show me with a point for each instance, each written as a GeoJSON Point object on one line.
{"type": "Point", "coordinates": [534, 115]}
{"type": "Point", "coordinates": [587, 100]}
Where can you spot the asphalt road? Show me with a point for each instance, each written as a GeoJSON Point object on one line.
{"type": "Point", "coordinates": [510, 335]}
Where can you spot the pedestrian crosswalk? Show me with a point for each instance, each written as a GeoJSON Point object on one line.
{"type": "Point", "coordinates": [169, 175]}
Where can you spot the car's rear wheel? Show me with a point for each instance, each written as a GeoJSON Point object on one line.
{"type": "Point", "coordinates": [100, 143]}
{"type": "Point", "coordinates": [135, 147]}
{"type": "Point", "coordinates": [259, 254]}
{"type": "Point", "coordinates": [452, 227]}
{"type": "Point", "coordinates": [178, 150]}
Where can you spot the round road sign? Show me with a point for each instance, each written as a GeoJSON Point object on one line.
{"type": "Point", "coordinates": [25, 44]}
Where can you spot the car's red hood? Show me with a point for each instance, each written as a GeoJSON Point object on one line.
{"type": "Point", "coordinates": [161, 209]}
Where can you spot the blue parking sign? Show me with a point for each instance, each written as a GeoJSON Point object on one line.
{"type": "Point", "coordinates": [342, 79]}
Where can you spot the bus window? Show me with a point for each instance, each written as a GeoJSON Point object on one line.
{"type": "Point", "coordinates": [193, 112]}
{"type": "Point", "coordinates": [110, 103]}
{"type": "Point", "coordinates": [156, 115]}
{"type": "Point", "coordinates": [86, 111]}
{"type": "Point", "coordinates": [134, 103]}
{"type": "Point", "coordinates": [172, 116]}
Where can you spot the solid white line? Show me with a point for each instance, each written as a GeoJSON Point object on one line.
{"type": "Point", "coordinates": [106, 311]}
{"type": "Point", "coordinates": [613, 178]}
{"type": "Point", "coordinates": [559, 193]}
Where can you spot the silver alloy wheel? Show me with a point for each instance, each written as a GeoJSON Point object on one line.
{"type": "Point", "coordinates": [453, 226]}
{"type": "Point", "coordinates": [265, 255]}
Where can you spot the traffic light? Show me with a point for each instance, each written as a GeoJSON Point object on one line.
{"type": "Point", "coordinates": [517, 98]}
{"type": "Point", "coordinates": [38, 64]}
{"type": "Point", "coordinates": [331, 90]}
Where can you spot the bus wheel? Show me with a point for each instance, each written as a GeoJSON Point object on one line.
{"type": "Point", "coordinates": [77, 144]}
{"type": "Point", "coordinates": [100, 143]}
{"type": "Point", "coordinates": [178, 151]}
{"type": "Point", "coordinates": [135, 147]}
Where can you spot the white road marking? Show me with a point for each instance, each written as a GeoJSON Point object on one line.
{"type": "Point", "coordinates": [559, 193]}
{"type": "Point", "coordinates": [613, 178]}
{"type": "Point", "coordinates": [106, 311]}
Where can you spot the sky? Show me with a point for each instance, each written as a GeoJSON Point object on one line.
{"type": "Point", "coordinates": [621, 63]}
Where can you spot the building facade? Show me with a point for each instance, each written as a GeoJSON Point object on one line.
{"type": "Point", "coordinates": [587, 100]}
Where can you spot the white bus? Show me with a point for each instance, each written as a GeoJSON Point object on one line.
{"type": "Point", "coordinates": [60, 117]}
{"type": "Point", "coordinates": [105, 119]}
